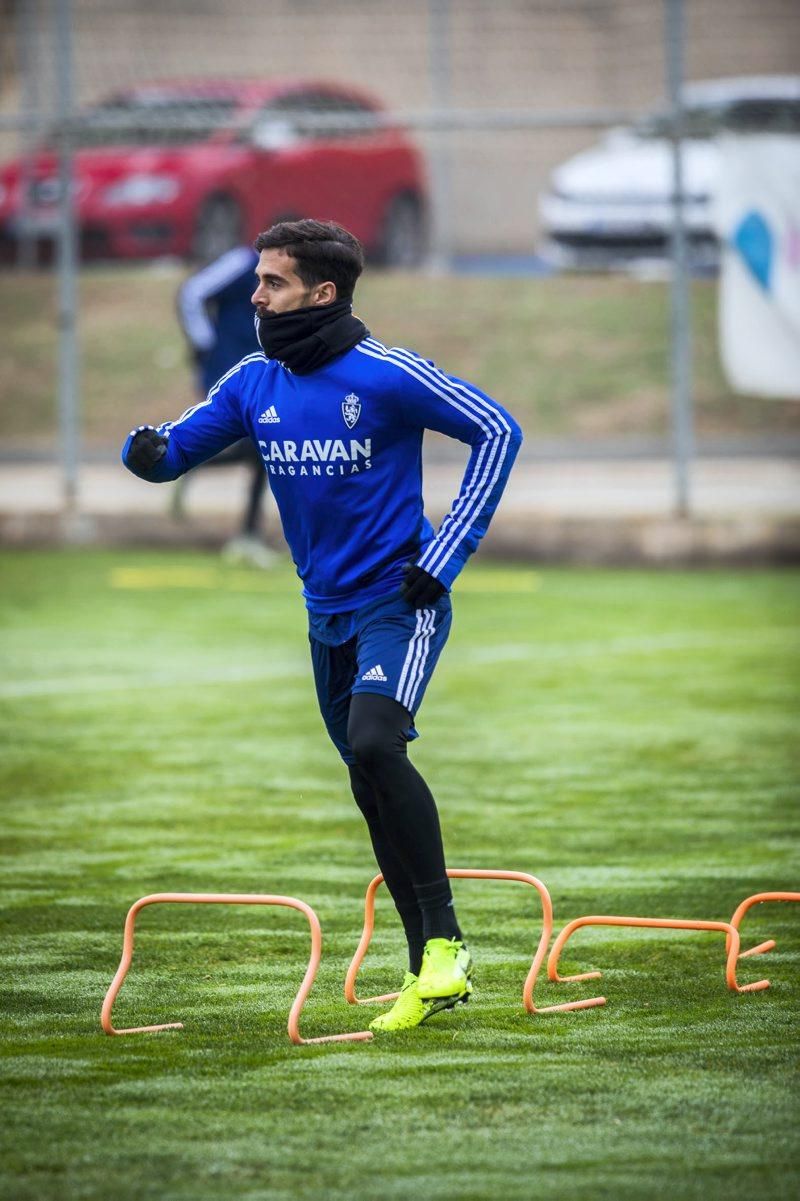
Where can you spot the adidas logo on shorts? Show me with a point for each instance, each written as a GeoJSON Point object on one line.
{"type": "Point", "coordinates": [375, 673]}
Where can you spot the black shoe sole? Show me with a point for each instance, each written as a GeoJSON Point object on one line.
{"type": "Point", "coordinates": [442, 1003]}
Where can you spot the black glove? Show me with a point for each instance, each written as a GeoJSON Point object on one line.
{"type": "Point", "coordinates": [419, 587]}
{"type": "Point", "coordinates": [147, 447]}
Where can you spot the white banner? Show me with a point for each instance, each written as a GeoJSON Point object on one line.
{"type": "Point", "coordinates": [757, 217]}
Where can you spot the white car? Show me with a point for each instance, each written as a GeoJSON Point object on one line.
{"type": "Point", "coordinates": [614, 201]}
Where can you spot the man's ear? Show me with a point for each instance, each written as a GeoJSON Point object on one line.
{"type": "Point", "coordinates": [324, 293]}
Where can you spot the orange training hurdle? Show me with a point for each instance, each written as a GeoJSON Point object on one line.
{"type": "Point", "coordinates": [460, 873]}
{"type": "Point", "coordinates": [732, 943]}
{"type": "Point", "coordinates": [223, 898]}
{"type": "Point", "coordinates": [756, 899]}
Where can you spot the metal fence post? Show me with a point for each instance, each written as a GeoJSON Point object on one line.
{"type": "Point", "coordinates": [681, 343]}
{"type": "Point", "coordinates": [68, 408]}
{"type": "Point", "coordinates": [27, 39]}
{"type": "Point", "coordinates": [441, 217]}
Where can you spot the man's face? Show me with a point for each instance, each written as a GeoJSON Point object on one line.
{"type": "Point", "coordinates": [280, 289]}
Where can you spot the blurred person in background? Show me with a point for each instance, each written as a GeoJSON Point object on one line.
{"type": "Point", "coordinates": [339, 420]}
{"type": "Point", "coordinates": [216, 315]}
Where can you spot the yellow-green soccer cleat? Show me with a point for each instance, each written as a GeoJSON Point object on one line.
{"type": "Point", "coordinates": [446, 970]}
{"type": "Point", "coordinates": [410, 1010]}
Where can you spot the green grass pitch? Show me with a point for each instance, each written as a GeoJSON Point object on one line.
{"type": "Point", "coordinates": [631, 738]}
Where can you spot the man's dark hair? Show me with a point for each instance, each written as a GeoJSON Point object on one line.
{"type": "Point", "coordinates": [322, 251]}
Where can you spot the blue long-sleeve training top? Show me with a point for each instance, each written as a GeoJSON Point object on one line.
{"type": "Point", "coordinates": [343, 448]}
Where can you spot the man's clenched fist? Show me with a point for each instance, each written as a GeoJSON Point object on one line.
{"type": "Point", "coordinates": [420, 588]}
{"type": "Point", "coordinates": [146, 449]}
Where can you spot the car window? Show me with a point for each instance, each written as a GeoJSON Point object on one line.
{"type": "Point", "coordinates": [314, 115]}
{"type": "Point", "coordinates": [699, 122]}
{"type": "Point", "coordinates": [158, 120]}
{"type": "Point", "coordinates": [781, 115]}
{"type": "Point", "coordinates": [764, 116]}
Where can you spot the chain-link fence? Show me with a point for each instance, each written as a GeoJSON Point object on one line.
{"type": "Point", "coordinates": [438, 130]}
{"type": "Point", "coordinates": [517, 86]}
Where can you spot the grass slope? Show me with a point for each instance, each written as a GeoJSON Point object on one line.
{"type": "Point", "coordinates": [569, 356]}
{"type": "Point", "coordinates": [630, 738]}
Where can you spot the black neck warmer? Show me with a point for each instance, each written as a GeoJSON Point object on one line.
{"type": "Point", "coordinates": [305, 339]}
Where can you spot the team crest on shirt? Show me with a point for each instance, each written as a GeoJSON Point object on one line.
{"type": "Point", "coordinates": [351, 409]}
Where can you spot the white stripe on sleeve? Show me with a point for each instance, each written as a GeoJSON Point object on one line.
{"type": "Point", "coordinates": [199, 288]}
{"type": "Point", "coordinates": [251, 358]}
{"type": "Point", "coordinates": [477, 489]}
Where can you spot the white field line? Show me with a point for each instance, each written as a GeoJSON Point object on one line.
{"type": "Point", "coordinates": [511, 652]}
{"type": "Point", "coordinates": [66, 685]}
{"type": "Point", "coordinates": [647, 644]}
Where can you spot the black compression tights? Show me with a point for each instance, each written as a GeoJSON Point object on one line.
{"type": "Point", "coordinates": [402, 818]}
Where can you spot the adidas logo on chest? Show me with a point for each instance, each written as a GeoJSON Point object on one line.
{"type": "Point", "coordinates": [269, 416]}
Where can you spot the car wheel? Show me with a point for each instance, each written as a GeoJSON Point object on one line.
{"type": "Point", "coordinates": [219, 228]}
{"type": "Point", "coordinates": [404, 241]}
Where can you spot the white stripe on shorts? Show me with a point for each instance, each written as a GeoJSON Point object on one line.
{"type": "Point", "coordinates": [414, 667]}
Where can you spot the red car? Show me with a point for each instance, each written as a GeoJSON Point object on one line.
{"type": "Point", "coordinates": [191, 168]}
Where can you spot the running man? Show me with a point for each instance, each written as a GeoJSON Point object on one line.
{"type": "Point", "coordinates": [339, 420]}
{"type": "Point", "coordinates": [214, 311]}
